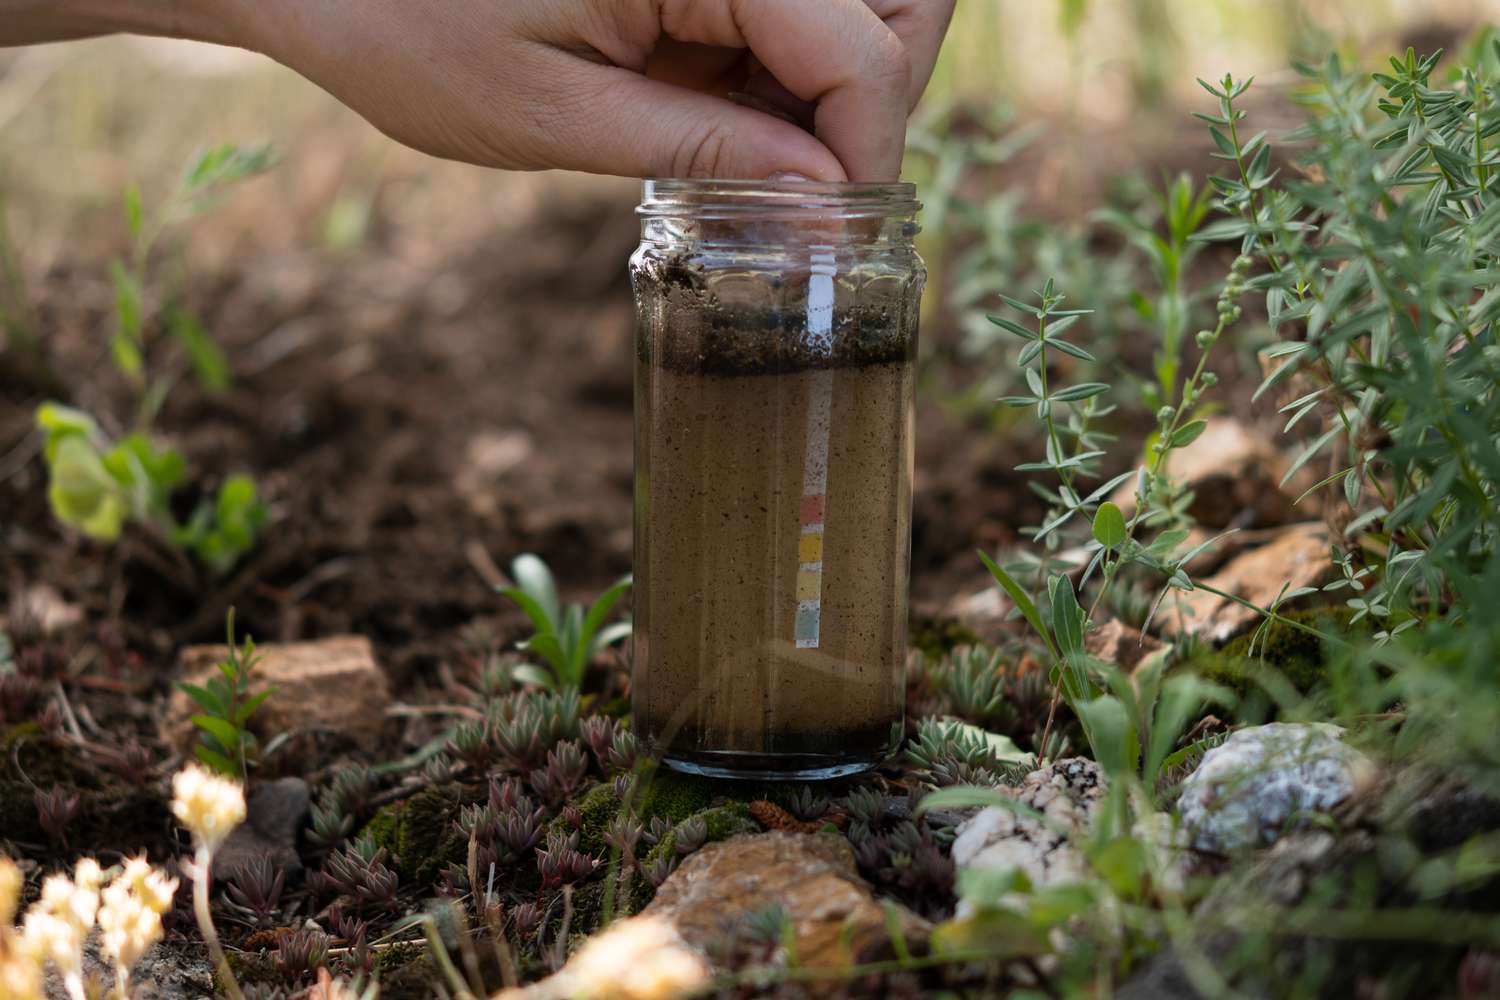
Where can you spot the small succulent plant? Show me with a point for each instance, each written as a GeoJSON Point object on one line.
{"type": "Point", "coordinates": [599, 733]}
{"type": "Point", "coordinates": [56, 809]}
{"type": "Point", "coordinates": [656, 829]}
{"type": "Point", "coordinates": [470, 744]}
{"type": "Point", "coordinates": [948, 753]}
{"type": "Point", "coordinates": [691, 834]}
{"type": "Point", "coordinates": [255, 888]}
{"type": "Point", "coordinates": [562, 863]}
{"type": "Point", "coordinates": [623, 753]}
{"type": "Point", "coordinates": [527, 726]}
{"type": "Point", "coordinates": [563, 773]}
{"type": "Point", "coordinates": [338, 806]}
{"type": "Point", "coordinates": [807, 805]}
{"type": "Point", "coordinates": [359, 873]}
{"type": "Point", "coordinates": [624, 834]}
{"type": "Point", "coordinates": [661, 869]}
{"type": "Point", "coordinates": [302, 953]}
{"type": "Point", "coordinates": [974, 680]}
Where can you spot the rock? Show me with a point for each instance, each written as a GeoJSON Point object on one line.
{"type": "Point", "coordinates": [1068, 793]}
{"type": "Point", "coordinates": [1252, 788]}
{"type": "Point", "coordinates": [1118, 643]}
{"type": "Point", "coordinates": [274, 814]}
{"type": "Point", "coordinates": [488, 457]}
{"type": "Point", "coordinates": [39, 609]}
{"type": "Point", "coordinates": [640, 958]}
{"type": "Point", "coordinates": [1235, 476]}
{"type": "Point", "coordinates": [332, 685]}
{"type": "Point", "coordinates": [984, 612]}
{"type": "Point", "coordinates": [169, 970]}
{"type": "Point", "coordinates": [834, 916]}
{"type": "Point", "coordinates": [1296, 556]}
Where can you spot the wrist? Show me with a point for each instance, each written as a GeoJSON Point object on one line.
{"type": "Point", "coordinates": [221, 21]}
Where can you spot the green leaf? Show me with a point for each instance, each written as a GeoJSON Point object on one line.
{"type": "Point", "coordinates": [209, 363]}
{"type": "Point", "coordinates": [541, 621]}
{"type": "Point", "coordinates": [251, 704]}
{"type": "Point", "coordinates": [1070, 348]}
{"type": "Point", "coordinates": [205, 699]}
{"type": "Point", "coordinates": [1022, 602]}
{"type": "Point", "coordinates": [1111, 738]}
{"type": "Point", "coordinates": [224, 733]}
{"type": "Point", "coordinates": [1109, 525]}
{"type": "Point", "coordinates": [549, 648]}
{"type": "Point", "coordinates": [1084, 390]}
{"type": "Point", "coordinates": [134, 216]}
{"type": "Point", "coordinates": [1067, 616]}
{"type": "Point", "coordinates": [82, 493]}
{"type": "Point", "coordinates": [127, 300]}
{"type": "Point", "coordinates": [530, 673]}
{"type": "Point", "coordinates": [1011, 327]}
{"type": "Point", "coordinates": [216, 761]}
{"type": "Point", "coordinates": [1188, 433]}
{"type": "Point", "coordinates": [535, 579]}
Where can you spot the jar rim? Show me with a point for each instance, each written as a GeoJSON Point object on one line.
{"type": "Point", "coordinates": [706, 196]}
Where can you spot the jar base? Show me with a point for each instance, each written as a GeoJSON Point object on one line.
{"type": "Point", "coordinates": [770, 767]}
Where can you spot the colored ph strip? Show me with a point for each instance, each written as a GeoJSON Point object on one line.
{"type": "Point", "coordinates": [813, 508]}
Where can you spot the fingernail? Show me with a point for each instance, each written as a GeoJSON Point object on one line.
{"type": "Point", "coordinates": [788, 177]}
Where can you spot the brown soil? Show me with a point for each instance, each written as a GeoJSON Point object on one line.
{"type": "Point", "coordinates": [405, 420]}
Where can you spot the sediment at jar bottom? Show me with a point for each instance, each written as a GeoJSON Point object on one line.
{"type": "Point", "coordinates": [772, 548]}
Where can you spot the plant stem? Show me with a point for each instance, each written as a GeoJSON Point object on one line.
{"type": "Point", "coordinates": [202, 863]}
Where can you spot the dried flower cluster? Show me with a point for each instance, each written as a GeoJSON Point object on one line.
{"type": "Point", "coordinates": [128, 909]}
{"type": "Point", "coordinates": [643, 958]}
{"type": "Point", "coordinates": [207, 805]}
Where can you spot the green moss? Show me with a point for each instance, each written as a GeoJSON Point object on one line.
{"type": "Point", "coordinates": [935, 638]}
{"type": "Point", "coordinates": [1294, 654]}
{"type": "Point", "coordinates": [723, 822]}
{"type": "Point", "coordinates": [419, 832]}
{"type": "Point", "coordinates": [677, 796]}
{"type": "Point", "coordinates": [406, 970]}
{"type": "Point", "coordinates": [599, 807]}
{"type": "Point", "coordinates": [667, 793]}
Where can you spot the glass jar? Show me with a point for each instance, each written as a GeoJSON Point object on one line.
{"type": "Point", "coordinates": [774, 376]}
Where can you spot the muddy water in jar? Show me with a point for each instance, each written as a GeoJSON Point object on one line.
{"type": "Point", "coordinates": [774, 384]}
{"type": "Point", "coordinates": [773, 620]}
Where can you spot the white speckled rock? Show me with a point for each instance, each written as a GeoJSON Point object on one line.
{"type": "Point", "coordinates": [1254, 786]}
{"type": "Point", "coordinates": [1068, 793]}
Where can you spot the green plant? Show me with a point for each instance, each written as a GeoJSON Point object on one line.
{"type": "Point", "coordinates": [145, 300]}
{"type": "Point", "coordinates": [566, 638]}
{"type": "Point", "coordinates": [98, 484]}
{"type": "Point", "coordinates": [228, 702]}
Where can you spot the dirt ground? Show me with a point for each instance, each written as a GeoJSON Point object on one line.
{"type": "Point", "coordinates": [415, 417]}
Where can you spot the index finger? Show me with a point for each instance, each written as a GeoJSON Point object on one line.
{"type": "Point", "coordinates": [836, 54]}
{"type": "Point", "coordinates": [921, 25]}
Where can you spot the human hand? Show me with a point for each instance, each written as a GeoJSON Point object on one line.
{"type": "Point", "coordinates": [633, 87]}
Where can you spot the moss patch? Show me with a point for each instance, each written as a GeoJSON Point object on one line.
{"type": "Point", "coordinates": [935, 638]}
{"type": "Point", "coordinates": [1291, 652]}
{"type": "Point", "coordinates": [599, 807]}
{"type": "Point", "coordinates": [419, 832]}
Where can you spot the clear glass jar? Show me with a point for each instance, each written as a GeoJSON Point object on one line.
{"type": "Point", "coordinates": [774, 375]}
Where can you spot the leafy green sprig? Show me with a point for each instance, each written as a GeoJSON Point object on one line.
{"type": "Point", "coordinates": [228, 703]}
{"type": "Point", "coordinates": [568, 637]}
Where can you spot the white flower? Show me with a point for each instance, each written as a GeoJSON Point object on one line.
{"type": "Point", "coordinates": [129, 923]}
{"type": "Point", "coordinates": [642, 958]}
{"type": "Point", "coordinates": [208, 805]}
{"type": "Point", "coordinates": [20, 976]}
{"type": "Point", "coordinates": [10, 892]}
{"type": "Point", "coordinates": [87, 874]}
{"type": "Point", "coordinates": [47, 937]}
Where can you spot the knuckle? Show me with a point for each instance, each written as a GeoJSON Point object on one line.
{"type": "Point", "coordinates": [890, 63]}
{"type": "Point", "coordinates": [701, 153]}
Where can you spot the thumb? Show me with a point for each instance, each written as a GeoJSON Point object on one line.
{"type": "Point", "coordinates": [646, 128]}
